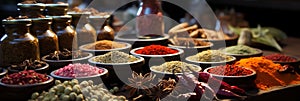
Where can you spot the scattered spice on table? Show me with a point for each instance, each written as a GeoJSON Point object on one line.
{"type": "Point", "coordinates": [267, 73]}
{"type": "Point", "coordinates": [115, 57]}
{"type": "Point", "coordinates": [211, 56]}
{"type": "Point", "coordinates": [280, 58]}
{"type": "Point", "coordinates": [176, 67]}
{"type": "Point", "coordinates": [105, 44]}
{"type": "Point", "coordinates": [230, 70]}
{"type": "Point", "coordinates": [156, 50]}
{"type": "Point", "coordinates": [24, 77]}
{"type": "Point", "coordinates": [66, 55]}
{"type": "Point", "coordinates": [28, 65]}
{"type": "Point", "coordinates": [241, 49]}
{"type": "Point", "coordinates": [78, 70]}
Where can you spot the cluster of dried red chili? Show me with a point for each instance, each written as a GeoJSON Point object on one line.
{"type": "Point", "coordinates": [24, 77]}
{"type": "Point", "coordinates": [156, 50]}
{"type": "Point", "coordinates": [230, 70]}
{"type": "Point", "coordinates": [280, 57]}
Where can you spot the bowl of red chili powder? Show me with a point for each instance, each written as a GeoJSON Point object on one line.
{"type": "Point", "coordinates": [233, 75]}
{"type": "Point", "coordinates": [289, 61]}
{"type": "Point", "coordinates": [157, 54]}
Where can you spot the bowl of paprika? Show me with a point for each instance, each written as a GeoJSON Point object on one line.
{"type": "Point", "coordinates": [157, 54]}
{"type": "Point", "coordinates": [290, 63]}
{"type": "Point", "coordinates": [234, 75]}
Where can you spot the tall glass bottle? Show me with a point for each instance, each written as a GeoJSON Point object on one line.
{"type": "Point", "coordinates": [86, 33]}
{"type": "Point", "coordinates": [149, 21]}
{"type": "Point", "coordinates": [18, 44]}
{"type": "Point", "coordinates": [67, 36]}
{"type": "Point", "coordinates": [103, 29]}
{"type": "Point", "coordinates": [48, 41]}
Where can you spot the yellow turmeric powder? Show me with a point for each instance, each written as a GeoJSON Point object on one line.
{"type": "Point", "coordinates": [267, 73]}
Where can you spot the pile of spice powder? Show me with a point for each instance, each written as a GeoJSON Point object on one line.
{"type": "Point", "coordinates": [156, 50]}
{"type": "Point", "coordinates": [280, 57]}
{"type": "Point", "coordinates": [241, 49]}
{"type": "Point", "coordinates": [267, 73]}
{"type": "Point", "coordinates": [230, 70]}
{"type": "Point", "coordinates": [211, 56]}
{"type": "Point", "coordinates": [176, 66]}
{"type": "Point", "coordinates": [105, 44]}
{"type": "Point", "coordinates": [115, 57]}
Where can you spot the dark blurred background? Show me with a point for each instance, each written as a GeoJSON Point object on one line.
{"type": "Point", "coordinates": [282, 14]}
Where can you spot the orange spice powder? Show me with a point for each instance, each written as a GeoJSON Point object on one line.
{"type": "Point", "coordinates": [267, 73]}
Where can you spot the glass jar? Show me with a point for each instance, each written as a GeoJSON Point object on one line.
{"type": "Point", "coordinates": [31, 10]}
{"type": "Point", "coordinates": [85, 31]}
{"type": "Point", "coordinates": [103, 29]}
{"type": "Point", "coordinates": [56, 9]}
{"type": "Point", "coordinates": [48, 41]}
{"type": "Point", "coordinates": [149, 21]}
{"type": "Point", "coordinates": [67, 36]}
{"type": "Point", "coordinates": [18, 44]}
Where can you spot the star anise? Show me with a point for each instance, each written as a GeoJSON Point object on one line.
{"type": "Point", "coordinates": [162, 89]}
{"type": "Point", "coordinates": [139, 84]}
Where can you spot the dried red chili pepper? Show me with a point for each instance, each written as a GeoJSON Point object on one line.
{"type": "Point", "coordinates": [280, 57]}
{"type": "Point", "coordinates": [230, 70]}
{"type": "Point", "coordinates": [156, 50]}
{"type": "Point", "coordinates": [25, 77]}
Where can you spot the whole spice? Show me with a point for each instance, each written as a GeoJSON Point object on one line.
{"type": "Point", "coordinates": [280, 57]}
{"type": "Point", "coordinates": [188, 42]}
{"type": "Point", "coordinates": [267, 73]}
{"type": "Point", "coordinates": [28, 65]}
{"type": "Point", "coordinates": [105, 44]}
{"type": "Point", "coordinates": [241, 49]}
{"type": "Point", "coordinates": [115, 57]}
{"type": "Point", "coordinates": [176, 67]}
{"type": "Point", "coordinates": [24, 77]}
{"type": "Point", "coordinates": [66, 55]}
{"type": "Point", "coordinates": [230, 70]}
{"type": "Point", "coordinates": [66, 91]}
{"type": "Point", "coordinates": [98, 93]}
{"type": "Point", "coordinates": [211, 56]}
{"type": "Point", "coordinates": [78, 70]}
{"type": "Point", "coordinates": [156, 50]}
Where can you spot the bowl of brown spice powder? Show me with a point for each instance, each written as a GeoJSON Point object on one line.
{"type": "Point", "coordinates": [105, 46]}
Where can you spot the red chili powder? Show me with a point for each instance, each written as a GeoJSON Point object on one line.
{"type": "Point", "coordinates": [280, 57]}
{"type": "Point", "coordinates": [156, 50]}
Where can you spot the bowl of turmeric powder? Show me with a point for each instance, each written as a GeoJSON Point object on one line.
{"type": "Point", "coordinates": [105, 46]}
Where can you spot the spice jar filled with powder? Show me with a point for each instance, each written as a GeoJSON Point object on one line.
{"type": "Point", "coordinates": [31, 10]}
{"type": "Point", "coordinates": [67, 36]}
{"type": "Point", "coordinates": [85, 31]}
{"type": "Point", "coordinates": [103, 29]}
{"type": "Point", "coordinates": [18, 44]}
{"type": "Point", "coordinates": [48, 40]}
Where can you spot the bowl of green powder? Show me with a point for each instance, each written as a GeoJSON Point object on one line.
{"type": "Point", "coordinates": [242, 51]}
{"type": "Point", "coordinates": [210, 58]}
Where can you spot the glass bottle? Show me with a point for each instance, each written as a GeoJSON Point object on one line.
{"type": "Point", "coordinates": [18, 44]}
{"type": "Point", "coordinates": [85, 31]}
{"type": "Point", "coordinates": [103, 29]}
{"type": "Point", "coordinates": [31, 10]}
{"type": "Point", "coordinates": [149, 21]}
{"type": "Point", "coordinates": [67, 36]}
{"type": "Point", "coordinates": [48, 41]}
{"type": "Point", "coordinates": [56, 9]}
